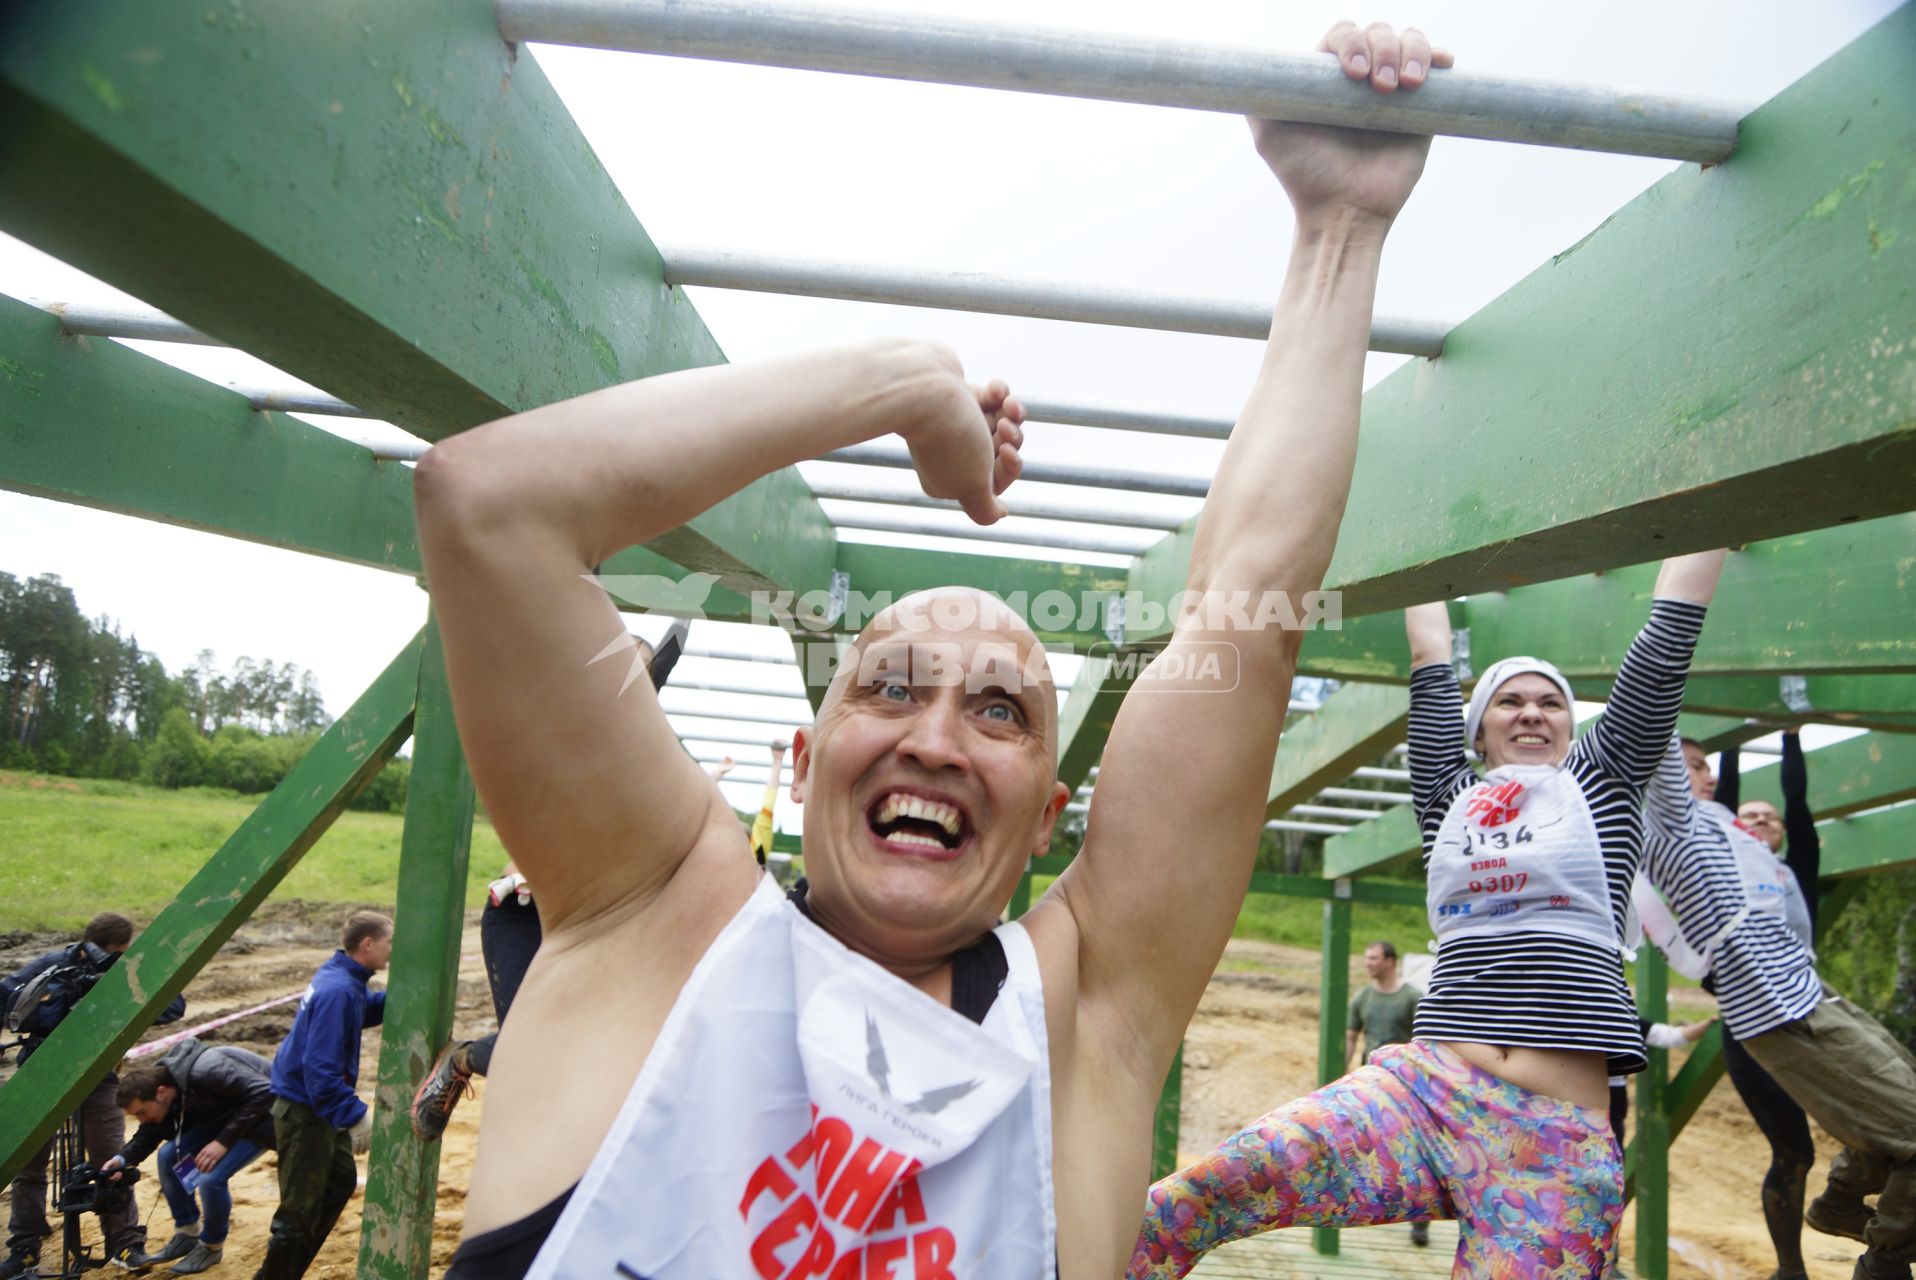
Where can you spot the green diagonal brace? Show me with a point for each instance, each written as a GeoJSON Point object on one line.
{"type": "Point", "coordinates": [402, 1177]}
{"type": "Point", "coordinates": [1862, 773]}
{"type": "Point", "coordinates": [1762, 308]}
{"type": "Point", "coordinates": [1356, 725]}
{"type": "Point", "coordinates": [1684, 1094]}
{"type": "Point", "coordinates": [378, 196]}
{"type": "Point", "coordinates": [204, 914]}
{"type": "Point", "coordinates": [1090, 708]}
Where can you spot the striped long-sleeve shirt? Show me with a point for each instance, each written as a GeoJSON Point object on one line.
{"type": "Point", "coordinates": [1542, 990]}
{"type": "Point", "coordinates": [1762, 973]}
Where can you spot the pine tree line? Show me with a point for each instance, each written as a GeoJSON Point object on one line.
{"type": "Point", "coordinates": [79, 697]}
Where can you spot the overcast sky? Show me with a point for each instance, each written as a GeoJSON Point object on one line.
{"type": "Point", "coordinates": [928, 176]}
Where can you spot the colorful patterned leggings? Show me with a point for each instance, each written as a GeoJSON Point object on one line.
{"type": "Point", "coordinates": [1536, 1183]}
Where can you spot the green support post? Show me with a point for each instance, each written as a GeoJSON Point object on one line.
{"type": "Point", "coordinates": [402, 1178]}
{"type": "Point", "coordinates": [204, 914]}
{"type": "Point", "coordinates": [1164, 1132]}
{"type": "Point", "coordinates": [1333, 1015]}
{"type": "Point", "coordinates": [1652, 1147]}
{"type": "Point", "coordinates": [1021, 896]}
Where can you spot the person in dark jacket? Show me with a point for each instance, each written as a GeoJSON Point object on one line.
{"type": "Point", "coordinates": [102, 1127]}
{"type": "Point", "coordinates": [318, 1119]}
{"type": "Point", "coordinates": [206, 1109]}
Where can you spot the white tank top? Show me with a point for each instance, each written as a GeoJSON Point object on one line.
{"type": "Point", "coordinates": [1768, 883]}
{"type": "Point", "coordinates": [804, 1113]}
{"type": "Point", "coordinates": [1519, 853]}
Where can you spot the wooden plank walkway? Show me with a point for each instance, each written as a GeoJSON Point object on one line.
{"type": "Point", "coordinates": [1365, 1253]}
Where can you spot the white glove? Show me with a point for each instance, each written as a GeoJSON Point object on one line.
{"type": "Point", "coordinates": [511, 885]}
{"type": "Point", "coordinates": [363, 1133]}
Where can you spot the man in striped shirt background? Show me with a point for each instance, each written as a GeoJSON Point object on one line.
{"type": "Point", "coordinates": [1836, 1061]}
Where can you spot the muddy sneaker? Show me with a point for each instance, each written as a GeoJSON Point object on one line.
{"type": "Point", "coordinates": [20, 1262]}
{"type": "Point", "coordinates": [1872, 1267]}
{"type": "Point", "coordinates": [202, 1257]}
{"type": "Point", "coordinates": [182, 1243]}
{"type": "Point", "coordinates": [130, 1259]}
{"type": "Point", "coordinates": [1420, 1233]}
{"type": "Point", "coordinates": [441, 1091]}
{"type": "Point", "coordinates": [1837, 1217]}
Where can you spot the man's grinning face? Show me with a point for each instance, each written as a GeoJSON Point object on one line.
{"type": "Point", "coordinates": [928, 780]}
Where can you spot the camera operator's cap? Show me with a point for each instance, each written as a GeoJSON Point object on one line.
{"type": "Point", "coordinates": [1502, 673]}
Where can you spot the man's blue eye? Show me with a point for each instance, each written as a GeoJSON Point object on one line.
{"type": "Point", "coordinates": [1001, 711]}
{"type": "Point", "coordinates": [886, 691]}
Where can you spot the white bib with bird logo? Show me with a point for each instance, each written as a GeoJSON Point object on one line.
{"type": "Point", "coordinates": [1519, 852]}
{"type": "Point", "coordinates": [805, 1113]}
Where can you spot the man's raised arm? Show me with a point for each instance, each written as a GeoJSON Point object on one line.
{"type": "Point", "coordinates": [1180, 802]}
{"type": "Point", "coordinates": [583, 777]}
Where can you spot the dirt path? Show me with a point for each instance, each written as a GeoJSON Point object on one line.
{"type": "Point", "coordinates": [1252, 1045]}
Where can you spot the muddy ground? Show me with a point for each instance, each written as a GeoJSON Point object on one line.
{"type": "Point", "coordinates": [1252, 1045]}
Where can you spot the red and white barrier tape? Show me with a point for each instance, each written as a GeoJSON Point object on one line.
{"type": "Point", "coordinates": [167, 1042]}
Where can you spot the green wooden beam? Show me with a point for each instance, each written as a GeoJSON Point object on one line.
{"type": "Point", "coordinates": [1718, 732]}
{"type": "Point", "coordinates": [1761, 310]}
{"type": "Point", "coordinates": [1090, 708]}
{"type": "Point", "coordinates": [204, 914]}
{"type": "Point", "coordinates": [1869, 842]}
{"type": "Point", "coordinates": [383, 199]}
{"type": "Point", "coordinates": [90, 421]}
{"type": "Point", "coordinates": [1884, 702]}
{"type": "Point", "coordinates": [402, 1179]}
{"type": "Point", "coordinates": [1836, 600]}
{"type": "Point", "coordinates": [1333, 1014]}
{"type": "Point", "coordinates": [1683, 1095]}
{"type": "Point", "coordinates": [1374, 845]}
{"type": "Point", "coordinates": [1862, 773]}
{"type": "Point", "coordinates": [1065, 603]}
{"type": "Point", "coordinates": [1355, 726]}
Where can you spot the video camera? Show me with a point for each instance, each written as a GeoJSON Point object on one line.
{"type": "Point", "coordinates": [92, 1190]}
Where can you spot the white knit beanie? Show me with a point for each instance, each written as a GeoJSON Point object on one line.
{"type": "Point", "coordinates": [1499, 674]}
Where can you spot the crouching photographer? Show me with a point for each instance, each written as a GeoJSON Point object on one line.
{"type": "Point", "coordinates": [207, 1110]}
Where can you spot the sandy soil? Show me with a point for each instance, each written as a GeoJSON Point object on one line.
{"type": "Point", "coordinates": [1252, 1045]}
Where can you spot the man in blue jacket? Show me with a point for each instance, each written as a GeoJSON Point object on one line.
{"type": "Point", "coordinates": [318, 1118]}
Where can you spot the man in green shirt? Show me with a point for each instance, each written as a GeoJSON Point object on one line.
{"type": "Point", "coordinates": [1385, 1009]}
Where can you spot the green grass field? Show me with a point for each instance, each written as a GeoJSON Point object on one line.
{"type": "Point", "coordinates": [72, 847]}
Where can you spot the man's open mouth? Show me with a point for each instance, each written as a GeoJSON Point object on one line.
{"type": "Point", "coordinates": [902, 818]}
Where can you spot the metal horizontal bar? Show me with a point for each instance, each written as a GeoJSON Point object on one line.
{"type": "Point", "coordinates": [875, 455]}
{"type": "Point", "coordinates": [712, 686]}
{"type": "Point", "coordinates": [1030, 510]}
{"type": "Point", "coordinates": [1320, 828]}
{"type": "Point", "coordinates": [1111, 418]}
{"type": "Point", "coordinates": [110, 320]}
{"type": "Point", "coordinates": [292, 400]}
{"type": "Point", "coordinates": [1381, 775]}
{"type": "Point", "coordinates": [1375, 797]}
{"type": "Point", "coordinates": [1090, 64]}
{"type": "Point", "coordinates": [739, 655]}
{"type": "Point", "coordinates": [992, 533]}
{"type": "Point", "coordinates": [1000, 295]}
{"type": "Point", "coordinates": [1333, 811]}
{"type": "Point", "coordinates": [680, 713]}
{"type": "Point", "coordinates": [722, 741]}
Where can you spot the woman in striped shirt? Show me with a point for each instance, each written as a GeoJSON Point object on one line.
{"type": "Point", "coordinates": [1496, 1113]}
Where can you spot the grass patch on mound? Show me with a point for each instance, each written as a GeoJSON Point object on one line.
{"type": "Point", "coordinates": [73, 847]}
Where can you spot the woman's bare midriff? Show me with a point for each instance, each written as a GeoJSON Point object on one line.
{"type": "Point", "coordinates": [1578, 1077]}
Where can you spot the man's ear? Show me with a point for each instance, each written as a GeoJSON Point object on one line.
{"type": "Point", "coordinates": [801, 761]}
{"type": "Point", "coordinates": [1054, 809]}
